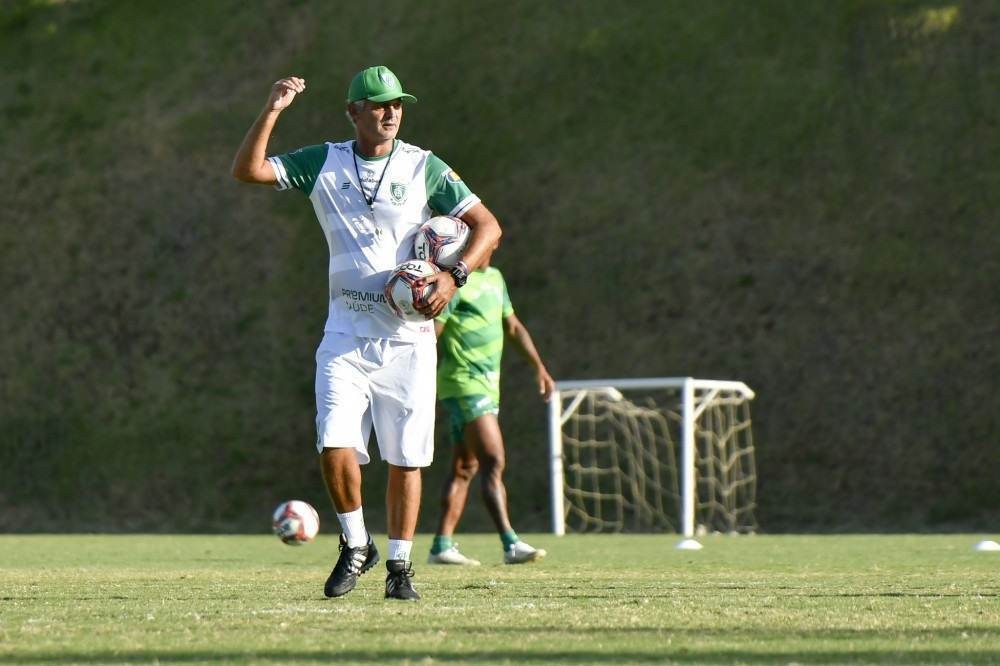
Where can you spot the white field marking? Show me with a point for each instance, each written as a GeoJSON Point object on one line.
{"type": "Point", "coordinates": [296, 609]}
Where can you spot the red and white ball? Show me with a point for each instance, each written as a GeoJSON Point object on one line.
{"type": "Point", "coordinates": [401, 289]}
{"type": "Point", "coordinates": [295, 522]}
{"type": "Point", "coordinates": [441, 240]}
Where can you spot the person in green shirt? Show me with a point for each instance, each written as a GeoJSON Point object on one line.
{"type": "Point", "coordinates": [471, 332]}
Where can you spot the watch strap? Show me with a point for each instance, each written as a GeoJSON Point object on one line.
{"type": "Point", "coordinates": [460, 273]}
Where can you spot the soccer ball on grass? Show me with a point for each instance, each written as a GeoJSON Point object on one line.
{"type": "Point", "coordinates": [295, 522]}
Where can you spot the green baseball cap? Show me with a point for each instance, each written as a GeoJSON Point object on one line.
{"type": "Point", "coordinates": [377, 84]}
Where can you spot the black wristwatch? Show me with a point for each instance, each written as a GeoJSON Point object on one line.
{"type": "Point", "coordinates": [460, 272]}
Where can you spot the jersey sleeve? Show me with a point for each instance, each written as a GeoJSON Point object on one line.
{"type": "Point", "coordinates": [299, 168]}
{"type": "Point", "coordinates": [507, 308]}
{"type": "Point", "coordinates": [447, 193]}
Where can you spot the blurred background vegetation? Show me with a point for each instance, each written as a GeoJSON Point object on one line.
{"type": "Point", "coordinates": [799, 195]}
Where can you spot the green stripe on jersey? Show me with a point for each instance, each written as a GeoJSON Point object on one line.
{"type": "Point", "coordinates": [471, 343]}
{"type": "Point", "coordinates": [445, 188]}
{"type": "Point", "coordinates": [303, 166]}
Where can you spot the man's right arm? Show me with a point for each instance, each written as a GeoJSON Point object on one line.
{"type": "Point", "coordinates": [518, 334]}
{"type": "Point", "coordinates": [250, 164]}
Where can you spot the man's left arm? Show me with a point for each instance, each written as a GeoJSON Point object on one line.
{"type": "Point", "coordinates": [484, 235]}
{"type": "Point", "coordinates": [521, 339]}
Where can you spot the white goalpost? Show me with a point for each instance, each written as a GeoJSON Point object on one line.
{"type": "Point", "coordinates": [662, 454]}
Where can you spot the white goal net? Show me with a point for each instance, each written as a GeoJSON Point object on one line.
{"type": "Point", "coordinates": [652, 455]}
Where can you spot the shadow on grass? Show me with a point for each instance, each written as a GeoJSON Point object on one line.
{"type": "Point", "coordinates": [889, 656]}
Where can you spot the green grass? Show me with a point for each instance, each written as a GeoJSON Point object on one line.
{"type": "Point", "coordinates": [595, 599]}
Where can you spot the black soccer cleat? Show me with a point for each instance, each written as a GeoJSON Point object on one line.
{"type": "Point", "coordinates": [397, 583]}
{"type": "Point", "coordinates": [352, 563]}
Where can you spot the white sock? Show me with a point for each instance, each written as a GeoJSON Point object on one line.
{"type": "Point", "coordinates": [399, 549]}
{"type": "Point", "coordinates": [353, 524]}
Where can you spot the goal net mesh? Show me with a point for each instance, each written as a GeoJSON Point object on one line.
{"type": "Point", "coordinates": [621, 454]}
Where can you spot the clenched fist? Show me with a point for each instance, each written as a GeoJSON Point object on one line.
{"type": "Point", "coordinates": [284, 91]}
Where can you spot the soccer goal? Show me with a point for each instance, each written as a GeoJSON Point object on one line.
{"type": "Point", "coordinates": [669, 454]}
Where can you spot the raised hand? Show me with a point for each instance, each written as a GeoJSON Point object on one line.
{"type": "Point", "coordinates": [284, 91]}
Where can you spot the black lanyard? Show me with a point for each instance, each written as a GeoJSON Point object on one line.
{"type": "Point", "coordinates": [361, 185]}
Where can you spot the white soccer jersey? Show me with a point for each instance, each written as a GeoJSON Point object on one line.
{"type": "Point", "coordinates": [366, 242]}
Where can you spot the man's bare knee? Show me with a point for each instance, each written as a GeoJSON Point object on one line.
{"type": "Point", "coordinates": [465, 470]}
{"type": "Point", "coordinates": [492, 466]}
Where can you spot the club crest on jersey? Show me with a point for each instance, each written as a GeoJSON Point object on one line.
{"type": "Point", "coordinates": [398, 193]}
{"type": "Point", "coordinates": [453, 176]}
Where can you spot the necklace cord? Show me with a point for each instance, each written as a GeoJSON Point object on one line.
{"type": "Point", "coordinates": [378, 185]}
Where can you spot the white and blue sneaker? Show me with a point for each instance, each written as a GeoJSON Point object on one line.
{"type": "Point", "coordinates": [522, 553]}
{"type": "Point", "coordinates": [452, 556]}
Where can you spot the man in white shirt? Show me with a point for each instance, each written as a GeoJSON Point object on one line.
{"type": "Point", "coordinates": [372, 368]}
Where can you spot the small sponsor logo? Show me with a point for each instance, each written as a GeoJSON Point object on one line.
{"type": "Point", "coordinates": [345, 185]}
{"type": "Point", "coordinates": [453, 176]}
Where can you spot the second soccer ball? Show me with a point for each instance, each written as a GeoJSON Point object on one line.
{"type": "Point", "coordinates": [441, 240]}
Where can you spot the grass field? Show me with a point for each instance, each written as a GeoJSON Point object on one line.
{"type": "Point", "coordinates": [596, 599]}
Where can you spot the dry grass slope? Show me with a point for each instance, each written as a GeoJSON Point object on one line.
{"type": "Point", "coordinates": [799, 196]}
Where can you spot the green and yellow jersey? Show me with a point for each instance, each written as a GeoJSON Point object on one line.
{"type": "Point", "coordinates": [471, 343]}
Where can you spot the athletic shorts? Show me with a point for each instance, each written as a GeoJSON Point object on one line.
{"type": "Point", "coordinates": [466, 409]}
{"type": "Point", "coordinates": [361, 382]}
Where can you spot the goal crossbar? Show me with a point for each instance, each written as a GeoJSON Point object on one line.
{"type": "Point", "coordinates": [654, 382]}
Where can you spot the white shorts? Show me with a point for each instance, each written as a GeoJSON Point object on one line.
{"type": "Point", "coordinates": [388, 383]}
